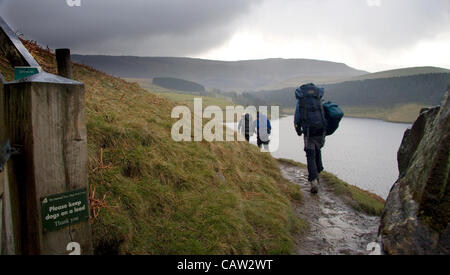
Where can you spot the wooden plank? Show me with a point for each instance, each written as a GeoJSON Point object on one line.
{"type": "Point", "coordinates": [64, 140]}
{"type": "Point", "coordinates": [10, 232]}
{"type": "Point", "coordinates": [12, 203]}
{"type": "Point", "coordinates": [2, 218]}
{"type": "Point", "coordinates": [11, 214]}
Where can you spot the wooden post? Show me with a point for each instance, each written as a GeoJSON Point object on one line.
{"type": "Point", "coordinates": [45, 114]}
{"type": "Point", "coordinates": [64, 63]}
{"type": "Point", "coordinates": [10, 237]}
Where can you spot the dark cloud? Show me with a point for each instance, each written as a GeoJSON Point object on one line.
{"type": "Point", "coordinates": [142, 27]}
{"type": "Point", "coordinates": [366, 33]}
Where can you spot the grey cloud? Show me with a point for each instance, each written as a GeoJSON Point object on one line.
{"type": "Point", "coordinates": [192, 27]}
{"type": "Point", "coordinates": [153, 27]}
{"type": "Point", "coordinates": [394, 24]}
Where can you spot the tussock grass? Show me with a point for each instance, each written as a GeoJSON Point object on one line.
{"type": "Point", "coordinates": [357, 198]}
{"type": "Point", "coordinates": [165, 197]}
{"type": "Point", "coordinates": [360, 200]}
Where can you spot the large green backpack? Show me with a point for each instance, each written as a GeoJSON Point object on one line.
{"type": "Point", "coordinates": [333, 115]}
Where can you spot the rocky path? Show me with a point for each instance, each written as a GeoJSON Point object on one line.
{"type": "Point", "coordinates": [335, 228]}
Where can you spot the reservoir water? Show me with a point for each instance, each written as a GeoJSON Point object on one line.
{"type": "Point", "coordinates": [362, 152]}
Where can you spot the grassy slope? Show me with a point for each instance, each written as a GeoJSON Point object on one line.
{"type": "Point", "coordinates": [357, 198]}
{"type": "Point", "coordinates": [406, 113]}
{"type": "Point", "coordinates": [400, 72]}
{"type": "Point", "coordinates": [164, 197]}
{"type": "Point", "coordinates": [181, 98]}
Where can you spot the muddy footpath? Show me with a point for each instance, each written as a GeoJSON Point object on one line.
{"type": "Point", "coordinates": [334, 227]}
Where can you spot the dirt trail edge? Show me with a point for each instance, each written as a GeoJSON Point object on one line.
{"type": "Point", "coordinates": [335, 227]}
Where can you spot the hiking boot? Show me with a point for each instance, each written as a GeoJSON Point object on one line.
{"type": "Point", "coordinates": [314, 186]}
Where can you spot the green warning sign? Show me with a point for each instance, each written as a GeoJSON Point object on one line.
{"type": "Point", "coordinates": [64, 209]}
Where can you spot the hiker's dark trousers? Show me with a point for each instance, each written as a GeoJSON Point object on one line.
{"type": "Point", "coordinates": [314, 156]}
{"type": "Point", "coordinates": [262, 141]}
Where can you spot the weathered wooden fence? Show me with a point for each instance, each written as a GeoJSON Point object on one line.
{"type": "Point", "coordinates": [44, 204]}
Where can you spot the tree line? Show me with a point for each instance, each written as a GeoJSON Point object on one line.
{"type": "Point", "coordinates": [426, 89]}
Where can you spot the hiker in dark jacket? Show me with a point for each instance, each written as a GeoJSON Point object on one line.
{"type": "Point", "coordinates": [310, 121]}
{"type": "Point", "coordinates": [263, 130]}
{"type": "Point", "coordinates": [245, 125]}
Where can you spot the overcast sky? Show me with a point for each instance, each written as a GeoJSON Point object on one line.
{"type": "Point", "coordinates": [372, 35]}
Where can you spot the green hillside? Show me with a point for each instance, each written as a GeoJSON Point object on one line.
{"type": "Point", "coordinates": [178, 84]}
{"type": "Point", "coordinates": [399, 73]}
{"type": "Point", "coordinates": [185, 98]}
{"type": "Point", "coordinates": [224, 75]}
{"type": "Point", "coordinates": [397, 98]}
{"type": "Point", "coordinates": [333, 79]}
{"type": "Point", "coordinates": [156, 196]}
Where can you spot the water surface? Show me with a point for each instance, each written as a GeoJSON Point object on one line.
{"type": "Point", "coordinates": [362, 152]}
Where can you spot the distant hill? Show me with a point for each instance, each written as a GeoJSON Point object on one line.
{"type": "Point", "coordinates": [332, 79]}
{"type": "Point", "coordinates": [400, 72]}
{"type": "Point", "coordinates": [178, 84]}
{"type": "Point", "coordinates": [224, 75]}
{"type": "Point", "coordinates": [426, 89]}
{"type": "Point", "coordinates": [379, 95]}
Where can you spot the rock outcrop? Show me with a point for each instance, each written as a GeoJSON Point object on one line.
{"type": "Point", "coordinates": [417, 212]}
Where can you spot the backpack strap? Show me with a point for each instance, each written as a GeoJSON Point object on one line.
{"type": "Point", "coordinates": [322, 112]}
{"type": "Point", "coordinates": [304, 118]}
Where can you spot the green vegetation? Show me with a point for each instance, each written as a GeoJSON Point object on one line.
{"type": "Point", "coordinates": [241, 75]}
{"type": "Point", "coordinates": [178, 84]}
{"type": "Point", "coordinates": [425, 89]}
{"type": "Point", "coordinates": [357, 198]}
{"type": "Point", "coordinates": [297, 81]}
{"type": "Point", "coordinates": [400, 72]}
{"type": "Point", "coordinates": [183, 98]}
{"type": "Point", "coordinates": [397, 99]}
{"type": "Point", "coordinates": [147, 83]}
{"type": "Point", "coordinates": [189, 100]}
{"type": "Point", "coordinates": [157, 196]}
{"type": "Point", "coordinates": [401, 113]}
{"type": "Point", "coordinates": [335, 78]}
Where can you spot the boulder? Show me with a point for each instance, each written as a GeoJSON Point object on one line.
{"type": "Point", "coordinates": [417, 211]}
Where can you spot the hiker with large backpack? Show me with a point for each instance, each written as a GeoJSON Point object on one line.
{"type": "Point", "coordinates": [263, 130]}
{"type": "Point", "coordinates": [245, 125]}
{"type": "Point", "coordinates": [314, 120]}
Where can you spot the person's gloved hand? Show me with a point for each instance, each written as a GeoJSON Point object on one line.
{"type": "Point", "coordinates": [298, 130]}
